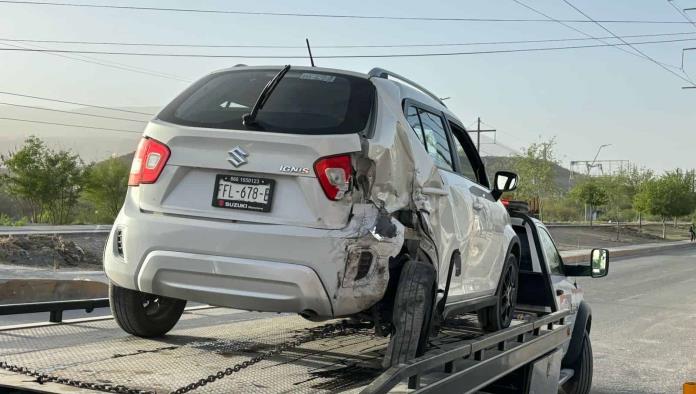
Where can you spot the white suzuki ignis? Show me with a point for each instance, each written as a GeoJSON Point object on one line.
{"type": "Point", "coordinates": [322, 192]}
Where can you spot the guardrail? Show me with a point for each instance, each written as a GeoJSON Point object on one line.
{"type": "Point", "coordinates": [55, 308]}
{"type": "Point", "coordinates": [63, 229]}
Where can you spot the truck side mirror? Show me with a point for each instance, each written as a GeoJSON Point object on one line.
{"type": "Point", "coordinates": [597, 268]}
{"type": "Point", "coordinates": [504, 181]}
{"type": "Point", "coordinates": [599, 261]}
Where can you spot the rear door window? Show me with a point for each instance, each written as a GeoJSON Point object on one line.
{"type": "Point", "coordinates": [436, 139]}
{"type": "Point", "coordinates": [304, 102]}
{"type": "Point", "coordinates": [414, 121]}
{"type": "Point", "coordinates": [430, 129]}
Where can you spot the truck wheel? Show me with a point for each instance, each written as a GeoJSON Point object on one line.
{"type": "Point", "coordinates": [412, 313]}
{"type": "Point", "coordinates": [499, 316]}
{"type": "Point", "coordinates": [143, 314]}
{"type": "Point", "coordinates": [581, 382]}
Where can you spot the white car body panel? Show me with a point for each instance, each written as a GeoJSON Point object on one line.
{"type": "Point", "coordinates": [567, 296]}
{"type": "Point", "coordinates": [174, 217]}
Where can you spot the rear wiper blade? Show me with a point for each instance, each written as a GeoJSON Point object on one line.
{"type": "Point", "coordinates": [250, 118]}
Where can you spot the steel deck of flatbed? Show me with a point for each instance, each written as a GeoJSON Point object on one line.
{"type": "Point", "coordinates": [209, 340]}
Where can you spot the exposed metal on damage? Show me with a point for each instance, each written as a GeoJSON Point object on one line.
{"type": "Point", "coordinates": [357, 295]}
{"type": "Point", "coordinates": [390, 180]}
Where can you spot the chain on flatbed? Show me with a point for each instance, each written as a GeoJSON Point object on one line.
{"type": "Point", "coordinates": [43, 378]}
{"type": "Point", "coordinates": [326, 331]}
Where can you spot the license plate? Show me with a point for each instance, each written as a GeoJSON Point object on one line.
{"type": "Point", "coordinates": [243, 192]}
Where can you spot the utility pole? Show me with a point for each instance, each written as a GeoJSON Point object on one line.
{"type": "Point", "coordinates": [478, 133]}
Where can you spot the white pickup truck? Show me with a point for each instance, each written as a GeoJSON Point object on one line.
{"type": "Point", "coordinates": [548, 285]}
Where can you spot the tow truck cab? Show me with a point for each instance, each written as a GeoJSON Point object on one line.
{"type": "Point", "coordinates": [547, 284]}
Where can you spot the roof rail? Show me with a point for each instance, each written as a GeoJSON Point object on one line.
{"type": "Point", "coordinates": [382, 73]}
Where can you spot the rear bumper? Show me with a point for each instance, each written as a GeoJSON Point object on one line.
{"type": "Point", "coordinates": [244, 283]}
{"type": "Point", "coordinates": [276, 268]}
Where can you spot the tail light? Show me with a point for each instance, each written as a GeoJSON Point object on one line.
{"type": "Point", "coordinates": [148, 162]}
{"type": "Point", "coordinates": [334, 173]}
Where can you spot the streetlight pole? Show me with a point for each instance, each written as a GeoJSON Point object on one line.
{"type": "Point", "coordinates": [589, 168]}
{"type": "Point", "coordinates": [591, 165]}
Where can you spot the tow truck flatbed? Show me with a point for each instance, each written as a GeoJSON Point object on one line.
{"type": "Point", "coordinates": [232, 351]}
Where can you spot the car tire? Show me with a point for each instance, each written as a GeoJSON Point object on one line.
{"type": "Point", "coordinates": [143, 314]}
{"type": "Point", "coordinates": [581, 382]}
{"type": "Point", "coordinates": [412, 313]}
{"type": "Point", "coordinates": [499, 316]}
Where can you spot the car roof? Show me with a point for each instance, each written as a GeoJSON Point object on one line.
{"type": "Point", "coordinates": [300, 68]}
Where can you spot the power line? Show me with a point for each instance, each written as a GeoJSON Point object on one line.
{"type": "Point", "coordinates": [175, 45]}
{"type": "Point", "coordinates": [71, 125]}
{"type": "Point", "coordinates": [310, 15]}
{"type": "Point", "coordinates": [693, 23]}
{"type": "Point", "coordinates": [600, 39]}
{"type": "Point", "coordinates": [115, 65]}
{"type": "Point", "coordinates": [482, 52]}
{"type": "Point", "coordinates": [75, 103]}
{"type": "Point", "coordinates": [682, 13]}
{"type": "Point", "coordinates": [72, 113]}
{"type": "Point", "coordinates": [630, 45]}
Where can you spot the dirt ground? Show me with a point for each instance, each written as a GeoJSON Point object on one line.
{"type": "Point", "coordinates": [605, 236]}
{"type": "Point", "coordinates": [53, 251]}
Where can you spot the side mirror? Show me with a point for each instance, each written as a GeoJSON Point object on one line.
{"type": "Point", "coordinates": [598, 267]}
{"type": "Point", "coordinates": [504, 181]}
{"type": "Point", "coordinates": [599, 262]}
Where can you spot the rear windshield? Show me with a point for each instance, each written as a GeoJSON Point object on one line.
{"type": "Point", "coordinates": [304, 102]}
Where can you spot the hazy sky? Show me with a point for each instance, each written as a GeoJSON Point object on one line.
{"type": "Point", "coordinates": [584, 97]}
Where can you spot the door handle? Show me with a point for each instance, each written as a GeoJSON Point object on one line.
{"type": "Point", "coordinates": [435, 190]}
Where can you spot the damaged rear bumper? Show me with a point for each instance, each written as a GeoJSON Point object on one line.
{"type": "Point", "coordinates": [277, 268]}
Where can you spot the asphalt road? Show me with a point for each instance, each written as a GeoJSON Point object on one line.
{"type": "Point", "coordinates": [644, 324]}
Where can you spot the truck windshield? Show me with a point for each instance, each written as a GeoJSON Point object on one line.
{"type": "Point", "coordinates": [304, 102]}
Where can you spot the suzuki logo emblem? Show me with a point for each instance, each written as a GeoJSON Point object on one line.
{"type": "Point", "coordinates": [237, 156]}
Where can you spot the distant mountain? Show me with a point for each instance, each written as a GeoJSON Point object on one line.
{"type": "Point", "coordinates": [127, 158]}
{"type": "Point", "coordinates": [90, 144]}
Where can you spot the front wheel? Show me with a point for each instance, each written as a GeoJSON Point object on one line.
{"type": "Point", "coordinates": [581, 382]}
{"type": "Point", "coordinates": [143, 314]}
{"type": "Point", "coordinates": [412, 313]}
{"type": "Point", "coordinates": [499, 316]}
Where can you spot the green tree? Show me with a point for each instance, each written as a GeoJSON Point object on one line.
{"type": "Point", "coordinates": [535, 169]}
{"type": "Point", "coordinates": [24, 180]}
{"type": "Point", "coordinates": [671, 195]}
{"type": "Point", "coordinates": [642, 201]}
{"type": "Point", "coordinates": [636, 178]}
{"type": "Point", "coordinates": [47, 182]}
{"type": "Point", "coordinates": [106, 184]}
{"type": "Point", "coordinates": [592, 192]}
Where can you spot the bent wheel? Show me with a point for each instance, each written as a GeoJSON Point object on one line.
{"type": "Point", "coordinates": [412, 314]}
{"type": "Point", "coordinates": [143, 314]}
